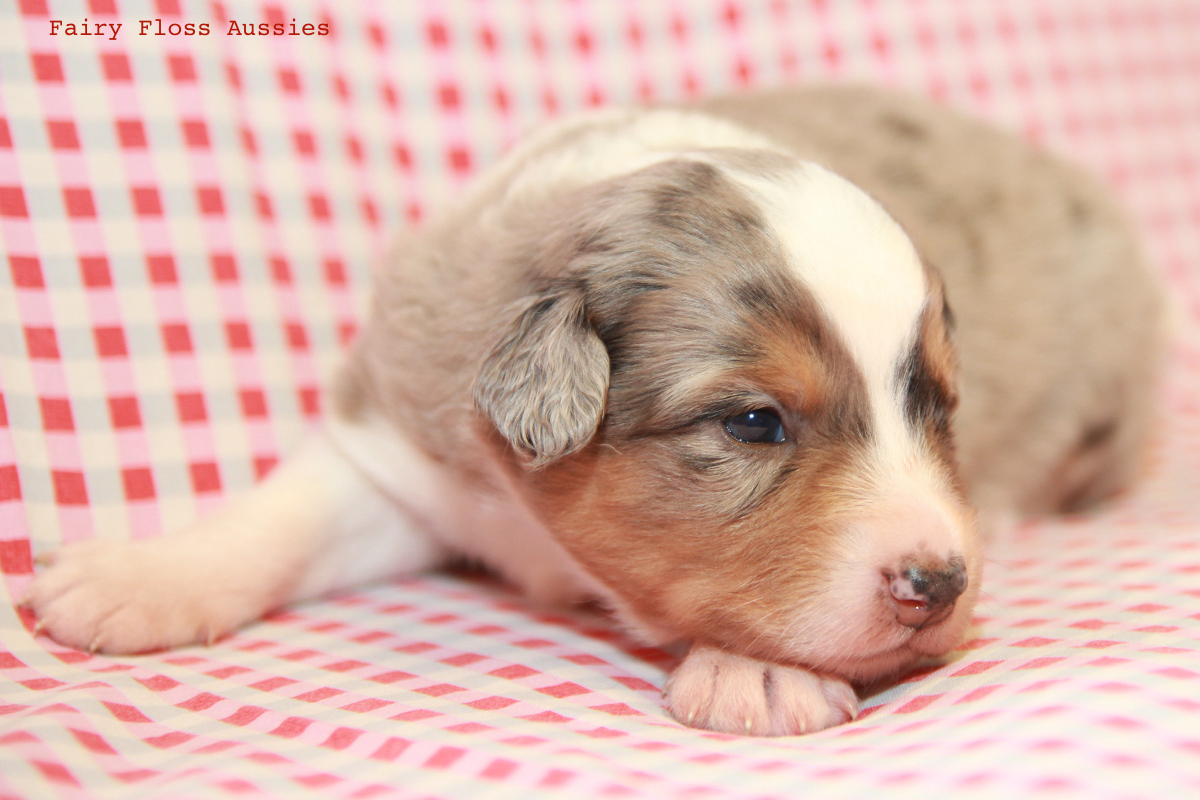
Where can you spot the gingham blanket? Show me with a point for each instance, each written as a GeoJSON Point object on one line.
{"type": "Point", "coordinates": [188, 222]}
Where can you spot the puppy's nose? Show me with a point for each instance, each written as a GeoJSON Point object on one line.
{"type": "Point", "coordinates": [924, 592]}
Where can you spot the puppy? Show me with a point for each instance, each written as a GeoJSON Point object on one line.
{"type": "Point", "coordinates": [701, 364]}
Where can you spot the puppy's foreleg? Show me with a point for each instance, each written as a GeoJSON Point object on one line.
{"type": "Point", "coordinates": [722, 691]}
{"type": "Point", "coordinates": [315, 525]}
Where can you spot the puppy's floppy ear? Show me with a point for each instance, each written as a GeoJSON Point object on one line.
{"type": "Point", "coordinates": [545, 383]}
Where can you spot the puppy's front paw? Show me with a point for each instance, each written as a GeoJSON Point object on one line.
{"type": "Point", "coordinates": [132, 597]}
{"type": "Point", "coordinates": [729, 693]}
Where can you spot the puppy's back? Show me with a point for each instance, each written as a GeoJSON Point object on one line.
{"type": "Point", "coordinates": [1058, 319]}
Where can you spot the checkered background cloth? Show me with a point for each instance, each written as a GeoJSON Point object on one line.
{"type": "Point", "coordinates": [188, 224]}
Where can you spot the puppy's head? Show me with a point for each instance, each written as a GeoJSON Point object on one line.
{"type": "Point", "coordinates": [728, 393]}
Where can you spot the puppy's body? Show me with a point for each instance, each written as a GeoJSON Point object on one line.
{"type": "Point", "coordinates": [664, 359]}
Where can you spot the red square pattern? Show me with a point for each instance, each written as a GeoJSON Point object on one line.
{"type": "Point", "coordinates": [12, 202]}
{"type": "Point", "coordinates": [318, 206]}
{"type": "Point", "coordinates": [138, 483]}
{"type": "Point", "coordinates": [79, 203]}
{"type": "Point", "coordinates": [146, 202]}
{"type": "Point", "coordinates": [254, 403]}
{"type": "Point", "coordinates": [238, 336]}
{"type": "Point", "coordinates": [296, 336]}
{"type": "Point", "coordinates": [124, 412]}
{"type": "Point", "coordinates": [195, 133]}
{"type": "Point", "coordinates": [41, 342]}
{"type": "Point", "coordinates": [289, 81]}
{"type": "Point", "coordinates": [47, 67]}
{"type": "Point", "coordinates": [205, 478]}
{"type": "Point", "coordinates": [224, 268]}
{"type": "Point", "coordinates": [69, 488]}
{"type": "Point", "coordinates": [177, 338]}
{"type": "Point", "coordinates": [162, 269]}
{"type": "Point", "coordinates": [191, 407]}
{"type": "Point", "coordinates": [26, 272]}
{"type": "Point", "coordinates": [310, 401]}
{"type": "Point", "coordinates": [63, 135]}
{"type": "Point", "coordinates": [56, 414]}
{"type": "Point", "coordinates": [95, 272]}
{"type": "Point", "coordinates": [208, 198]}
{"type": "Point", "coordinates": [10, 483]}
{"type": "Point", "coordinates": [263, 465]}
{"type": "Point", "coordinates": [15, 555]}
{"type": "Point", "coordinates": [304, 142]}
{"type": "Point", "coordinates": [116, 67]}
{"type": "Point", "coordinates": [280, 270]}
{"type": "Point", "coordinates": [335, 272]}
{"type": "Point", "coordinates": [131, 133]}
{"type": "Point", "coordinates": [110, 342]}
{"type": "Point", "coordinates": [182, 68]}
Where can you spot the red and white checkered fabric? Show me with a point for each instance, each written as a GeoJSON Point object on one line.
{"type": "Point", "coordinates": [188, 223]}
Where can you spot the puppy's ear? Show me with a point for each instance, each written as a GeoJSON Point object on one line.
{"type": "Point", "coordinates": [544, 385]}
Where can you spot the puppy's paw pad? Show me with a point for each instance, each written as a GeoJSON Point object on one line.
{"type": "Point", "coordinates": [724, 692]}
{"type": "Point", "coordinates": [125, 597]}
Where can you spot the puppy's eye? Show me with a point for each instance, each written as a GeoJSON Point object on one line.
{"type": "Point", "coordinates": [760, 426]}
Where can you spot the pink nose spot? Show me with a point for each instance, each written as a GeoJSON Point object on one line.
{"type": "Point", "coordinates": [910, 612]}
{"type": "Point", "coordinates": [924, 594]}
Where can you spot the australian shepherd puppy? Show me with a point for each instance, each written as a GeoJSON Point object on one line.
{"type": "Point", "coordinates": [750, 373]}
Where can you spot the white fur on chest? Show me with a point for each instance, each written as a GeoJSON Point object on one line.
{"type": "Point", "coordinates": [490, 526]}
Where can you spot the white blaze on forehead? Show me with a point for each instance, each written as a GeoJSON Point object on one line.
{"type": "Point", "coordinates": [864, 273]}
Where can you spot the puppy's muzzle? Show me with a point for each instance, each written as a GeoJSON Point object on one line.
{"type": "Point", "coordinates": [923, 593]}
